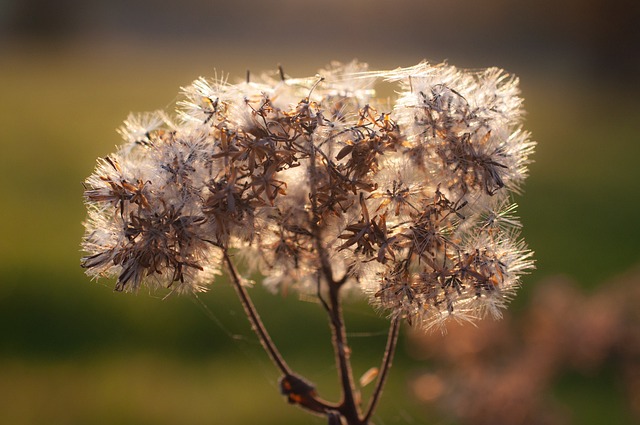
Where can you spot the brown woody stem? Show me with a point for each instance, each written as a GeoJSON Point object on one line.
{"type": "Point", "coordinates": [348, 407]}
{"type": "Point", "coordinates": [254, 318]}
{"type": "Point", "coordinates": [296, 389]}
{"type": "Point", "coordinates": [392, 341]}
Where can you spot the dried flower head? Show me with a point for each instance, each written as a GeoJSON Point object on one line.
{"type": "Point", "coordinates": [315, 182]}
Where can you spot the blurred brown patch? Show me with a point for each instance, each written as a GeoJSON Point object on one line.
{"type": "Point", "coordinates": [503, 372]}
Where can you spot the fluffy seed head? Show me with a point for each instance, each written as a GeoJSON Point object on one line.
{"type": "Point", "coordinates": [313, 182]}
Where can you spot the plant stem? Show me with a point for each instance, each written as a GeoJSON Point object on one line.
{"type": "Point", "coordinates": [297, 389]}
{"type": "Point", "coordinates": [348, 407]}
{"type": "Point", "coordinates": [254, 319]}
{"type": "Point", "coordinates": [392, 341]}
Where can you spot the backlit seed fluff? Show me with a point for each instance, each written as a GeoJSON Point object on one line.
{"type": "Point", "coordinates": [407, 202]}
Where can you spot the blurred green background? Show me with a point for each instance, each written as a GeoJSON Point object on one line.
{"type": "Point", "coordinates": [74, 352]}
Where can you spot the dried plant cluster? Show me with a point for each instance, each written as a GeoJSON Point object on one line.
{"type": "Point", "coordinates": [409, 203]}
{"type": "Point", "coordinates": [319, 186]}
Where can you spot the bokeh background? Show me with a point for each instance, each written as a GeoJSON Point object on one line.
{"type": "Point", "coordinates": [74, 352]}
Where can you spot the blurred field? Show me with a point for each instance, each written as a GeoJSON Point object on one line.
{"type": "Point", "coordinates": [74, 352]}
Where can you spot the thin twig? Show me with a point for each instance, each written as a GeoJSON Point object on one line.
{"type": "Point", "coordinates": [389, 351]}
{"type": "Point", "coordinates": [325, 265]}
{"type": "Point", "coordinates": [254, 318]}
{"type": "Point", "coordinates": [320, 297]}
{"type": "Point", "coordinates": [296, 388]}
{"type": "Point", "coordinates": [348, 407]}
